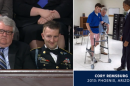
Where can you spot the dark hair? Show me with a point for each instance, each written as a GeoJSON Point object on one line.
{"type": "Point", "coordinates": [52, 25]}
{"type": "Point", "coordinates": [127, 2]}
{"type": "Point", "coordinates": [103, 5]}
{"type": "Point", "coordinates": [98, 5]}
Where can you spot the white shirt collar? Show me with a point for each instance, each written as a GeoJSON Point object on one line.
{"type": "Point", "coordinates": [95, 13]}
{"type": "Point", "coordinates": [128, 11]}
{"type": "Point", "coordinates": [5, 48]}
{"type": "Point", "coordinates": [51, 49]}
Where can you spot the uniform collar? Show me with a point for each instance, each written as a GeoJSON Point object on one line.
{"type": "Point", "coordinates": [51, 49]}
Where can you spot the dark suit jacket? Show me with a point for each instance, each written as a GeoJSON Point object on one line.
{"type": "Point", "coordinates": [126, 29]}
{"type": "Point", "coordinates": [45, 60]}
{"type": "Point", "coordinates": [6, 8]}
{"type": "Point", "coordinates": [22, 10]}
{"type": "Point", "coordinates": [19, 56]}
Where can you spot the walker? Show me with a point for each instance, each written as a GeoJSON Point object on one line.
{"type": "Point", "coordinates": [93, 60]}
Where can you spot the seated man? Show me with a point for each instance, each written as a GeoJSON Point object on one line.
{"type": "Point", "coordinates": [13, 54]}
{"type": "Point", "coordinates": [50, 56]}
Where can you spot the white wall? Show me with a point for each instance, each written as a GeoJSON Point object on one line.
{"type": "Point", "coordinates": [83, 6]}
{"type": "Point", "coordinates": [87, 6]}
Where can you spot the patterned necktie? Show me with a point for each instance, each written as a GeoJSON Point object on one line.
{"type": "Point", "coordinates": [42, 3]}
{"type": "Point", "coordinates": [2, 60]}
{"type": "Point", "coordinates": [126, 15]}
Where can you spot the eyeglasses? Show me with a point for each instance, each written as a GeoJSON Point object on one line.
{"type": "Point", "coordinates": [7, 32]}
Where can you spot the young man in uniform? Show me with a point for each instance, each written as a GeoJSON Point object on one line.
{"type": "Point", "coordinates": [50, 56]}
{"type": "Point", "coordinates": [92, 24]}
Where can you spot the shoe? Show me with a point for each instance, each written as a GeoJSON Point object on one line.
{"type": "Point", "coordinates": [104, 53]}
{"type": "Point", "coordinates": [120, 68]}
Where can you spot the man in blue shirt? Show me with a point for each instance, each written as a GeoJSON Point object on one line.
{"type": "Point", "coordinates": [92, 24]}
{"type": "Point", "coordinates": [101, 30]}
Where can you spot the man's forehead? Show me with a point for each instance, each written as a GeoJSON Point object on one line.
{"type": "Point", "coordinates": [103, 10]}
{"type": "Point", "coordinates": [2, 23]}
{"type": "Point", "coordinates": [49, 29]}
{"type": "Point", "coordinates": [46, 28]}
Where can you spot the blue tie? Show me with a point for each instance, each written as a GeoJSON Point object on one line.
{"type": "Point", "coordinates": [2, 60]}
{"type": "Point", "coordinates": [126, 15]}
{"type": "Point", "coordinates": [42, 3]}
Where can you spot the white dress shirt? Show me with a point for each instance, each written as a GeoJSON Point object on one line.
{"type": "Point", "coordinates": [54, 56]}
{"type": "Point", "coordinates": [128, 11]}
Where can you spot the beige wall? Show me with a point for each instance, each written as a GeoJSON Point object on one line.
{"type": "Point", "coordinates": [83, 6]}
{"type": "Point", "coordinates": [87, 6]}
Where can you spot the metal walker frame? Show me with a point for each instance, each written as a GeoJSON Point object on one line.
{"type": "Point", "coordinates": [93, 60]}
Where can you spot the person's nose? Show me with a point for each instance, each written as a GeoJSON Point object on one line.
{"type": "Point", "coordinates": [52, 39]}
{"type": "Point", "coordinates": [5, 34]}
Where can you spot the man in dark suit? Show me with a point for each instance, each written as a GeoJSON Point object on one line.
{"type": "Point", "coordinates": [126, 38]}
{"type": "Point", "coordinates": [30, 14]}
{"type": "Point", "coordinates": [6, 8]}
{"type": "Point", "coordinates": [50, 56]}
{"type": "Point", "coordinates": [13, 54]}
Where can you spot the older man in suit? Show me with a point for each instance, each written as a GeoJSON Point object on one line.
{"type": "Point", "coordinates": [126, 38]}
{"type": "Point", "coordinates": [13, 54]}
{"type": "Point", "coordinates": [6, 8]}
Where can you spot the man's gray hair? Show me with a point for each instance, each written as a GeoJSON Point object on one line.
{"type": "Point", "coordinates": [104, 8]}
{"type": "Point", "coordinates": [8, 21]}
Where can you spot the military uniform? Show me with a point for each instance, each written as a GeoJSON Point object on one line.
{"type": "Point", "coordinates": [44, 60]}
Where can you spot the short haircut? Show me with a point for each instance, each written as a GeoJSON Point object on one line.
{"type": "Point", "coordinates": [98, 5]}
{"type": "Point", "coordinates": [104, 8]}
{"type": "Point", "coordinates": [8, 21]}
{"type": "Point", "coordinates": [103, 5]}
{"type": "Point", "coordinates": [52, 25]}
{"type": "Point", "coordinates": [127, 2]}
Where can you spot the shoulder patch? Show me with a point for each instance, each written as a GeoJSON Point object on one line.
{"type": "Point", "coordinates": [35, 48]}
{"type": "Point", "coordinates": [66, 51]}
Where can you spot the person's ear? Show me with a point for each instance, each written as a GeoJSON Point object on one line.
{"type": "Point", "coordinates": [59, 34]}
{"type": "Point", "coordinates": [42, 34]}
